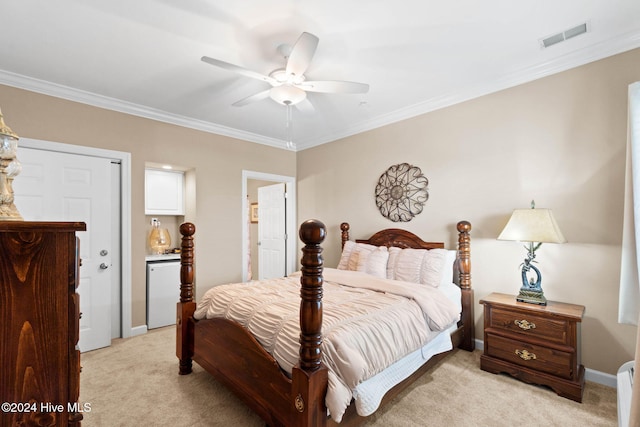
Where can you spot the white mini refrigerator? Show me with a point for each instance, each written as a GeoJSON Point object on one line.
{"type": "Point", "coordinates": [163, 292]}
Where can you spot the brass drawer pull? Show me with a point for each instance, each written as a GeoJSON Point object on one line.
{"type": "Point", "coordinates": [525, 355]}
{"type": "Point", "coordinates": [523, 324]}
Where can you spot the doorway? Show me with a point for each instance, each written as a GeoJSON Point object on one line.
{"type": "Point", "coordinates": [121, 235]}
{"type": "Point", "coordinates": [56, 186]}
{"type": "Point", "coordinates": [290, 220]}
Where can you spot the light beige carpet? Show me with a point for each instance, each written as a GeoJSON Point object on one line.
{"type": "Point", "coordinates": [135, 382]}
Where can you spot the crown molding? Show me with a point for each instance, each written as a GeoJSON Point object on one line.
{"type": "Point", "coordinates": [76, 95]}
{"type": "Point", "coordinates": [571, 60]}
{"type": "Point", "coordinates": [574, 59]}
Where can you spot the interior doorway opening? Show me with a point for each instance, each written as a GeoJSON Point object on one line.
{"type": "Point", "coordinates": [253, 180]}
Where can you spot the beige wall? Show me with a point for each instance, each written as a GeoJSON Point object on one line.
{"type": "Point", "coordinates": [218, 162]}
{"type": "Point", "coordinates": [559, 140]}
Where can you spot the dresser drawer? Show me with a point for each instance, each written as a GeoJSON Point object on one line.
{"type": "Point", "coordinates": [530, 325]}
{"type": "Point", "coordinates": [540, 358]}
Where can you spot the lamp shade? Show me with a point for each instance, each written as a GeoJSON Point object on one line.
{"type": "Point", "coordinates": [532, 225]}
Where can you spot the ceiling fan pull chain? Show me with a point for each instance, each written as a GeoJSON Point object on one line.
{"type": "Point", "coordinates": [289, 126]}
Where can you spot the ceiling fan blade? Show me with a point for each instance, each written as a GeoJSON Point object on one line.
{"type": "Point", "coordinates": [301, 54]}
{"type": "Point", "coordinates": [305, 106]}
{"type": "Point", "coordinates": [240, 70]}
{"type": "Point", "coordinates": [334, 86]}
{"type": "Point", "coordinates": [253, 98]}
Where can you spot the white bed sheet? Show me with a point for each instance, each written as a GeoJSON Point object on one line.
{"type": "Point", "coordinates": [368, 394]}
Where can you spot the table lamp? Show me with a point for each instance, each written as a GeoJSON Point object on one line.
{"type": "Point", "coordinates": [535, 227]}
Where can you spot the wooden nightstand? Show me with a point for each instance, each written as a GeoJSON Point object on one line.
{"type": "Point", "coordinates": [534, 343]}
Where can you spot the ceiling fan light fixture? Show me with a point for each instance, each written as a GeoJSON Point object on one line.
{"type": "Point", "coordinates": [281, 76]}
{"type": "Point", "coordinates": [287, 94]}
{"type": "Point", "coordinates": [289, 85]}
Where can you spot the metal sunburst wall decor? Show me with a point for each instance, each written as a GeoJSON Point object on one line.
{"type": "Point", "coordinates": [401, 192]}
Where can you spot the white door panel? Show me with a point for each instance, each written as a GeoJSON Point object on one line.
{"type": "Point", "coordinates": [272, 231]}
{"type": "Point", "coordinates": [55, 186]}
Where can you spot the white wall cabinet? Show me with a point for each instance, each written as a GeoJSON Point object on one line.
{"type": "Point", "coordinates": [164, 192]}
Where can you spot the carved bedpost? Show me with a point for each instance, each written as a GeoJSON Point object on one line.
{"type": "Point", "coordinates": [186, 262]}
{"type": "Point", "coordinates": [345, 232]}
{"type": "Point", "coordinates": [464, 270]}
{"type": "Point", "coordinates": [312, 233]}
{"type": "Point", "coordinates": [187, 306]}
{"type": "Point", "coordinates": [309, 376]}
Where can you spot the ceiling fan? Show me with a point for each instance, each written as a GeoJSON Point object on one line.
{"type": "Point", "coordinates": [289, 85]}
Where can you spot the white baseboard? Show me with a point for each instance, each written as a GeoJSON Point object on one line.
{"type": "Point", "coordinates": [589, 374]}
{"type": "Point", "coordinates": [601, 378]}
{"type": "Point", "coordinates": [138, 330]}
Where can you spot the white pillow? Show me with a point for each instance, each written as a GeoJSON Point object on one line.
{"type": "Point", "coordinates": [346, 254]}
{"type": "Point", "coordinates": [432, 267]}
{"type": "Point", "coordinates": [405, 264]}
{"type": "Point", "coordinates": [420, 266]}
{"type": "Point", "coordinates": [365, 258]}
{"type": "Point", "coordinates": [374, 262]}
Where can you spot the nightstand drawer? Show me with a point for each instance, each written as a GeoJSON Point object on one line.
{"type": "Point", "coordinates": [540, 358]}
{"type": "Point", "coordinates": [530, 325]}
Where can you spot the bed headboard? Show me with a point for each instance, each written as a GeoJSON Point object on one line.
{"type": "Point", "coordinates": [406, 239]}
{"type": "Point", "coordinates": [392, 237]}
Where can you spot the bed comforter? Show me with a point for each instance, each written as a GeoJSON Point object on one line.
{"type": "Point", "coordinates": [368, 323]}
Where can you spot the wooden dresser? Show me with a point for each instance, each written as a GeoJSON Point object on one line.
{"type": "Point", "coordinates": [537, 344]}
{"type": "Point", "coordinates": [39, 323]}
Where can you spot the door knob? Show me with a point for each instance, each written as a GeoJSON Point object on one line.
{"type": "Point", "coordinates": [103, 266]}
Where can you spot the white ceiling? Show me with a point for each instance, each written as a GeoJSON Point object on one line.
{"type": "Point", "coordinates": [143, 57]}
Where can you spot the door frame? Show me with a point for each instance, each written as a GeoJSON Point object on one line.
{"type": "Point", "coordinates": [292, 241]}
{"type": "Point", "coordinates": [125, 213]}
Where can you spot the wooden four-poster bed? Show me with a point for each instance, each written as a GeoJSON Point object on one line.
{"type": "Point", "coordinates": [234, 357]}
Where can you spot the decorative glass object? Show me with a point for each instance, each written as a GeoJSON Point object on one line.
{"type": "Point", "coordinates": [159, 239]}
{"type": "Point", "coordinates": [9, 168]}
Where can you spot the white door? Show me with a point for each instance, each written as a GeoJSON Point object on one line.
{"type": "Point", "coordinates": [272, 239]}
{"type": "Point", "coordinates": [56, 186]}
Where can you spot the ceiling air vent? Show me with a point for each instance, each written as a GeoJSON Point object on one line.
{"type": "Point", "coordinates": [565, 35]}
